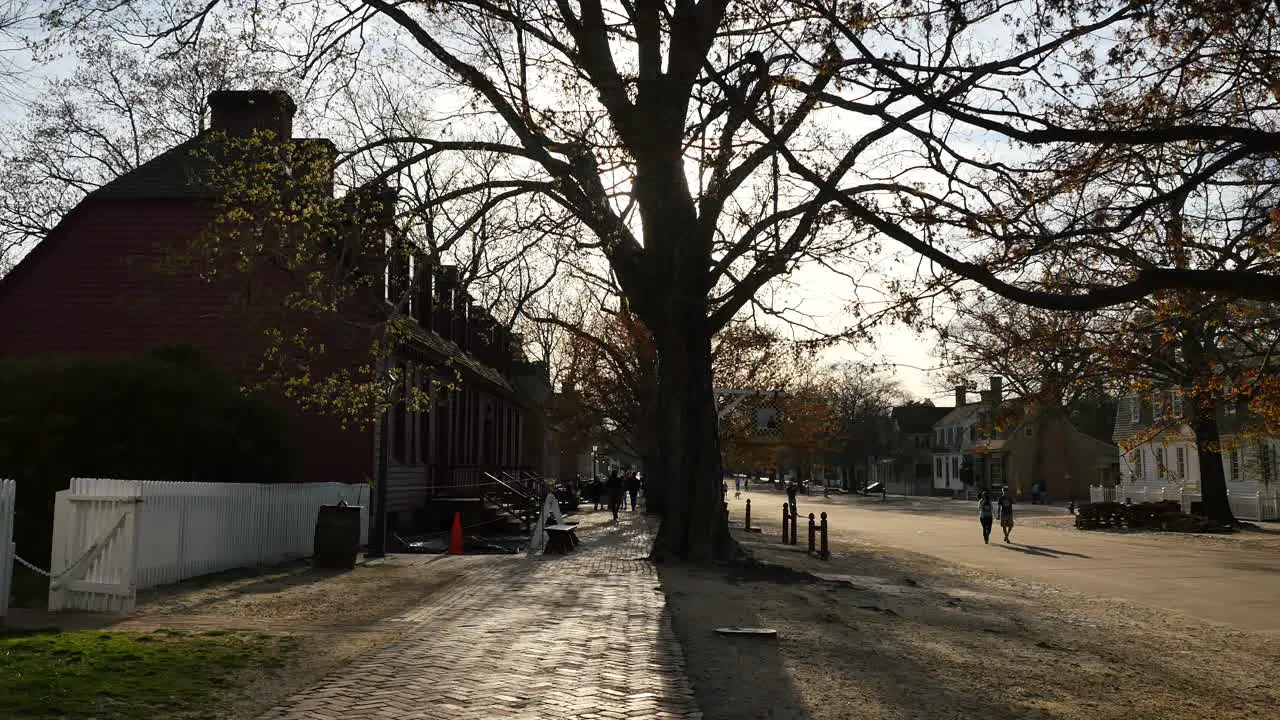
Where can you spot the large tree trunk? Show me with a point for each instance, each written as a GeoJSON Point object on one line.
{"type": "Point", "coordinates": [647, 437]}
{"type": "Point", "coordinates": [694, 527]}
{"type": "Point", "coordinates": [1213, 480]}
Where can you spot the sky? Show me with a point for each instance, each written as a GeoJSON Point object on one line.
{"type": "Point", "coordinates": [910, 358]}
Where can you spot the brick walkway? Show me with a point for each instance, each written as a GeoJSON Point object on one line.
{"type": "Point", "coordinates": [579, 636]}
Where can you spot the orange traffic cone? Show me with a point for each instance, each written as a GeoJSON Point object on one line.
{"type": "Point", "coordinates": [455, 536]}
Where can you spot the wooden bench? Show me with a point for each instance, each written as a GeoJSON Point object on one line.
{"type": "Point", "coordinates": [561, 539]}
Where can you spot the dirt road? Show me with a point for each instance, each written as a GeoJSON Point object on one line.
{"type": "Point", "coordinates": [1232, 580]}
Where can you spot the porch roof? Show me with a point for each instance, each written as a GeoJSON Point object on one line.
{"type": "Point", "coordinates": [431, 346]}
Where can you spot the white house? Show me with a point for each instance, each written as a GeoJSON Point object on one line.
{"type": "Point", "coordinates": [1164, 463]}
{"type": "Point", "coordinates": [955, 432]}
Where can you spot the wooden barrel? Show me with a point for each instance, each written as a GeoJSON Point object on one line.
{"type": "Point", "coordinates": [337, 539]}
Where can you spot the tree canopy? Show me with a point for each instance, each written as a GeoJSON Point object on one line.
{"type": "Point", "coordinates": [707, 149]}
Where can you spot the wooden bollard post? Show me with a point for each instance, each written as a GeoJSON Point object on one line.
{"type": "Point", "coordinates": [746, 519]}
{"type": "Point", "coordinates": [825, 553]}
{"type": "Point", "coordinates": [786, 514]}
{"type": "Point", "coordinates": [813, 533]}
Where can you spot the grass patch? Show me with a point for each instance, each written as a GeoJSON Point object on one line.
{"type": "Point", "coordinates": [48, 675]}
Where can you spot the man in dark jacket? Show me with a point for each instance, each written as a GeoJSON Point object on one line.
{"type": "Point", "coordinates": [614, 486]}
{"type": "Point", "coordinates": [597, 492]}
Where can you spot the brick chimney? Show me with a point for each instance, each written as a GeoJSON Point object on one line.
{"type": "Point", "coordinates": [445, 286]}
{"type": "Point", "coordinates": [423, 307]}
{"type": "Point", "coordinates": [997, 389]}
{"type": "Point", "coordinates": [961, 398]}
{"type": "Point", "coordinates": [238, 113]}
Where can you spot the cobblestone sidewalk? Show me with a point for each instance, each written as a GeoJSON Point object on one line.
{"type": "Point", "coordinates": [584, 635]}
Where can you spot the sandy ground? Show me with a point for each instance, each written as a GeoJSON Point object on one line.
{"type": "Point", "coordinates": [336, 615]}
{"type": "Point", "coordinates": [1232, 579]}
{"type": "Point", "coordinates": [905, 634]}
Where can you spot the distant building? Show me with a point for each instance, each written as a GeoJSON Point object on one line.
{"type": "Point", "coordinates": [997, 442]}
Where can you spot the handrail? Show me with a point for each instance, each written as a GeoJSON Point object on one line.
{"type": "Point", "coordinates": [503, 484]}
{"type": "Point", "coordinates": [539, 485]}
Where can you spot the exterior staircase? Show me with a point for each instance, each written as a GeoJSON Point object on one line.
{"type": "Point", "coordinates": [519, 496]}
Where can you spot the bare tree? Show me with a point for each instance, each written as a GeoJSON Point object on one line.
{"type": "Point", "coordinates": [685, 139]}
{"type": "Point", "coordinates": [120, 107]}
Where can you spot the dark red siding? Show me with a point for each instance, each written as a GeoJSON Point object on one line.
{"type": "Point", "coordinates": [92, 289]}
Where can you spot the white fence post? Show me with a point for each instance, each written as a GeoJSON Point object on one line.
{"type": "Point", "coordinates": [8, 499]}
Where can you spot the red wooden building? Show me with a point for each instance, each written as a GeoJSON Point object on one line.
{"type": "Point", "coordinates": [91, 288]}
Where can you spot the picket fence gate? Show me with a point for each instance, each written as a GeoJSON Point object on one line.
{"type": "Point", "coordinates": [112, 537]}
{"type": "Point", "coordinates": [8, 499]}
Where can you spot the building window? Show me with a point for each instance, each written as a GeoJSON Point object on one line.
{"type": "Point", "coordinates": [937, 467]}
{"type": "Point", "coordinates": [1234, 473]}
{"type": "Point", "coordinates": [1177, 404]}
{"type": "Point", "coordinates": [1137, 464]}
{"type": "Point", "coordinates": [1264, 461]}
{"type": "Point", "coordinates": [1159, 461]}
{"type": "Point", "coordinates": [955, 466]}
{"type": "Point", "coordinates": [1027, 431]}
{"type": "Point", "coordinates": [1181, 455]}
{"type": "Point", "coordinates": [1135, 408]}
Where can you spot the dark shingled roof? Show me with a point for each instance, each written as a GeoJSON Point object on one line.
{"type": "Point", "coordinates": [918, 418]}
{"type": "Point", "coordinates": [174, 174]}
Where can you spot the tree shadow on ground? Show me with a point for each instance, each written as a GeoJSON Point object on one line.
{"type": "Point", "coordinates": [734, 677]}
{"type": "Point", "coordinates": [252, 581]}
{"type": "Point", "coordinates": [838, 653]}
{"type": "Point", "coordinates": [261, 580]}
{"type": "Point", "coordinates": [892, 636]}
{"type": "Point", "coordinates": [1040, 551]}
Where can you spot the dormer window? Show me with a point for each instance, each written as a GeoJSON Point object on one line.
{"type": "Point", "coordinates": [1135, 408]}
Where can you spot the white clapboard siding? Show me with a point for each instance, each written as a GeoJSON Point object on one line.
{"type": "Point", "coordinates": [170, 531]}
{"type": "Point", "coordinates": [8, 491]}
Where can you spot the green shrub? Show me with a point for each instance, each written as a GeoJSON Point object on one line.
{"type": "Point", "coordinates": [168, 416]}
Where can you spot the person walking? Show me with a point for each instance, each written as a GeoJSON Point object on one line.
{"type": "Point", "coordinates": [633, 489]}
{"type": "Point", "coordinates": [614, 487]}
{"type": "Point", "coordinates": [1006, 512]}
{"type": "Point", "coordinates": [597, 491]}
{"type": "Point", "coordinates": [792, 489]}
{"type": "Point", "coordinates": [985, 513]}
{"type": "Point", "coordinates": [737, 486]}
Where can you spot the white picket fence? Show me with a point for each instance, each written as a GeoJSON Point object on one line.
{"type": "Point", "coordinates": [112, 537]}
{"type": "Point", "coordinates": [1263, 505]}
{"type": "Point", "coordinates": [8, 492]}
